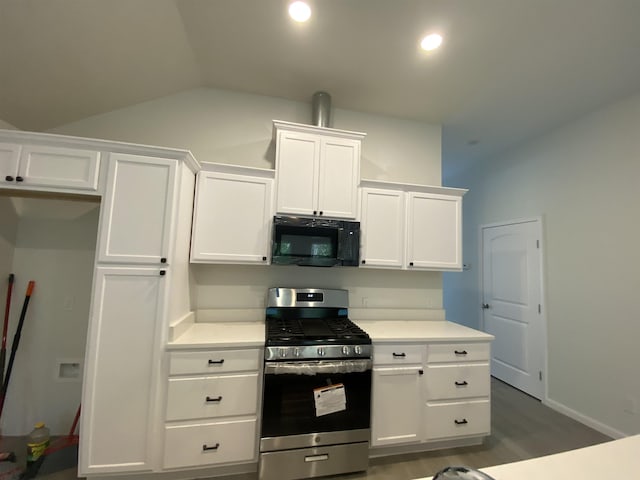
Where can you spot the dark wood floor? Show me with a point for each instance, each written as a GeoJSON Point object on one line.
{"type": "Point", "coordinates": [522, 428]}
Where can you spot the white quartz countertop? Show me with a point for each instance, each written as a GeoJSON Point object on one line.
{"type": "Point", "coordinates": [220, 334]}
{"type": "Point", "coordinates": [615, 459]}
{"type": "Point", "coordinates": [382, 331]}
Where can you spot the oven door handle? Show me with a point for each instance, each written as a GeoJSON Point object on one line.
{"type": "Point", "coordinates": [319, 367]}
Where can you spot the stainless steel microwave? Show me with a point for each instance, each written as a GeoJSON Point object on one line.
{"type": "Point", "coordinates": [315, 242]}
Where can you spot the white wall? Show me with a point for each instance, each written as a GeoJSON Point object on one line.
{"type": "Point", "coordinates": [236, 128]}
{"type": "Point", "coordinates": [58, 254]}
{"type": "Point", "coordinates": [8, 230]}
{"type": "Point", "coordinates": [583, 179]}
{"type": "Point", "coordinates": [229, 127]}
{"type": "Point", "coordinates": [6, 125]}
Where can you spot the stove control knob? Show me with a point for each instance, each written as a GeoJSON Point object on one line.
{"type": "Point", "coordinates": [282, 352]}
{"type": "Point", "coordinates": [345, 350]}
{"type": "Point", "coordinates": [321, 352]}
{"type": "Point", "coordinates": [296, 352]}
{"type": "Point", "coordinates": [357, 350]}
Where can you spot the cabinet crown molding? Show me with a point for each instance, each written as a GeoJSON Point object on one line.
{"type": "Point", "coordinates": [304, 128]}
{"type": "Point", "coordinates": [410, 187]}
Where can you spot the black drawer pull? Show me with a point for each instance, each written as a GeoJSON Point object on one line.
{"type": "Point", "coordinates": [212, 447]}
{"type": "Point", "coordinates": [460, 352]}
{"type": "Point", "coordinates": [462, 384]}
{"type": "Point", "coordinates": [19, 179]}
{"type": "Point", "coordinates": [9, 178]}
{"type": "Point", "coordinates": [461, 422]}
{"type": "Point", "coordinates": [420, 372]}
{"type": "Point", "coordinates": [264, 259]}
{"type": "Point", "coordinates": [214, 399]}
{"type": "Point", "coordinates": [216, 362]}
{"type": "Point", "coordinates": [163, 273]}
{"type": "Point", "coordinates": [163, 260]}
{"type": "Point", "coordinates": [399, 355]}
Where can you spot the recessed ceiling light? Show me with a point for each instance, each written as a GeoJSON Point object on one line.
{"type": "Point", "coordinates": [431, 42]}
{"type": "Point", "coordinates": [299, 11]}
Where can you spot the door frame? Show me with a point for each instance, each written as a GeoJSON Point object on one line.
{"type": "Point", "coordinates": [539, 221]}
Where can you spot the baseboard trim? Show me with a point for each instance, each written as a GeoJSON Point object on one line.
{"type": "Point", "coordinates": [584, 419]}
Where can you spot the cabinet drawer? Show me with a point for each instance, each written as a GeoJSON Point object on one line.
{"type": "Point", "coordinates": [397, 354]}
{"type": "Point", "coordinates": [458, 419]}
{"type": "Point", "coordinates": [458, 352]}
{"type": "Point", "coordinates": [210, 443]}
{"type": "Point", "coordinates": [216, 361]}
{"type": "Point", "coordinates": [457, 381]}
{"type": "Point", "coordinates": [201, 397]}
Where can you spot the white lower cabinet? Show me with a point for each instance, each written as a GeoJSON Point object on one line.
{"type": "Point", "coordinates": [121, 368]}
{"type": "Point", "coordinates": [212, 408]}
{"type": "Point", "coordinates": [430, 392]}
{"type": "Point", "coordinates": [209, 443]}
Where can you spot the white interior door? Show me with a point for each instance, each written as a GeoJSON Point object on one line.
{"type": "Point", "coordinates": [512, 304]}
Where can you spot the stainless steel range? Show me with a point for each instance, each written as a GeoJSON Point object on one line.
{"type": "Point", "coordinates": [317, 387]}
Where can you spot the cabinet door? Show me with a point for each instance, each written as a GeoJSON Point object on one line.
{"type": "Point", "coordinates": [122, 358]}
{"type": "Point", "coordinates": [434, 231]}
{"type": "Point", "coordinates": [339, 176]}
{"type": "Point", "coordinates": [9, 156]}
{"type": "Point", "coordinates": [232, 218]}
{"type": "Point", "coordinates": [396, 405]}
{"type": "Point", "coordinates": [137, 211]}
{"type": "Point", "coordinates": [43, 166]}
{"type": "Point", "coordinates": [297, 157]}
{"type": "Point", "coordinates": [382, 228]}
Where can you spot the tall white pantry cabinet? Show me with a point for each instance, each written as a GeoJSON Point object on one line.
{"type": "Point", "coordinates": [140, 279]}
{"type": "Point", "coordinates": [139, 283]}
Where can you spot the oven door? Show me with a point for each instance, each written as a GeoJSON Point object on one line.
{"type": "Point", "coordinates": [308, 397]}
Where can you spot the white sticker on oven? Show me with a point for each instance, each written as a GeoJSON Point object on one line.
{"type": "Point", "coordinates": [329, 399]}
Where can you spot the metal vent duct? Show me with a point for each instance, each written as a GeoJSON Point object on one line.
{"type": "Point", "coordinates": [321, 109]}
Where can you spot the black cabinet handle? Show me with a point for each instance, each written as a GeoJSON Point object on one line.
{"type": "Point", "coordinates": [9, 178]}
{"type": "Point", "coordinates": [320, 212]}
{"type": "Point", "coordinates": [461, 422]}
{"type": "Point", "coordinates": [163, 260]}
{"type": "Point", "coordinates": [212, 447]}
{"type": "Point", "coordinates": [214, 399]}
{"type": "Point", "coordinates": [315, 212]}
{"type": "Point", "coordinates": [163, 272]}
{"type": "Point", "coordinates": [485, 306]}
{"type": "Point", "coordinates": [19, 179]}
{"type": "Point", "coordinates": [411, 264]}
{"type": "Point", "coordinates": [216, 362]}
{"type": "Point", "coordinates": [461, 384]}
{"type": "Point", "coordinates": [399, 355]}
{"type": "Point", "coordinates": [420, 372]}
{"type": "Point", "coordinates": [460, 352]}
{"type": "Point", "coordinates": [264, 259]}
{"type": "Point", "coordinates": [364, 261]}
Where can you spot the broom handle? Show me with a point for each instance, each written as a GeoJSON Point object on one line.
{"type": "Point", "coordinates": [5, 328]}
{"type": "Point", "coordinates": [16, 342]}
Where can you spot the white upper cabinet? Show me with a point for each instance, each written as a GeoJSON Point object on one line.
{"type": "Point", "coordinates": [232, 215]}
{"type": "Point", "coordinates": [138, 208]}
{"type": "Point", "coordinates": [317, 170]}
{"type": "Point", "coordinates": [382, 228]}
{"type": "Point", "coordinates": [43, 167]}
{"type": "Point", "coordinates": [434, 231]}
{"type": "Point", "coordinates": [415, 227]}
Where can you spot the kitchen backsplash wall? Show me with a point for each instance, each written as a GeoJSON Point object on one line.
{"type": "Point", "coordinates": [237, 287]}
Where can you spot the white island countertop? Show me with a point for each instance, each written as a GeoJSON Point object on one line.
{"type": "Point", "coordinates": [615, 459]}
{"type": "Point", "coordinates": [382, 331]}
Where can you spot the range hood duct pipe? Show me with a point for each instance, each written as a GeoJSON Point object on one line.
{"type": "Point", "coordinates": [321, 109]}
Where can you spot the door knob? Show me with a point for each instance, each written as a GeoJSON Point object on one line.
{"type": "Point", "coordinates": [485, 306]}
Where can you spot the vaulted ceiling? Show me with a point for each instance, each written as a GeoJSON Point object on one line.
{"type": "Point", "coordinates": [508, 70]}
